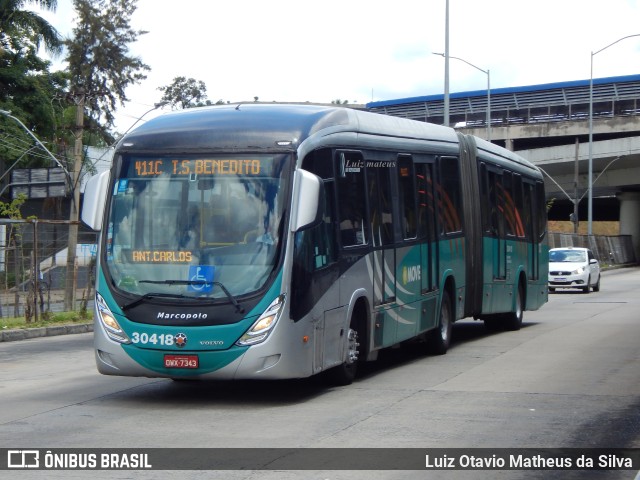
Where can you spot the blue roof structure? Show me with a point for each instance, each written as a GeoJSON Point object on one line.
{"type": "Point", "coordinates": [547, 102]}
{"type": "Point", "coordinates": [508, 90]}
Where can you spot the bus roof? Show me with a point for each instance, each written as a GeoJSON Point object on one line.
{"type": "Point", "coordinates": [267, 127]}
{"type": "Point", "coordinates": [279, 127]}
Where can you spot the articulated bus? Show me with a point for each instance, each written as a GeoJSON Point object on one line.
{"type": "Point", "coordinates": [258, 241]}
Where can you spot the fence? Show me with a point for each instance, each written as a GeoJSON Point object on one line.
{"type": "Point", "coordinates": [33, 263]}
{"type": "Point", "coordinates": [33, 267]}
{"type": "Point", "coordinates": [608, 249]}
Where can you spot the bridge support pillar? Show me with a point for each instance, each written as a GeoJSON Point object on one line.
{"type": "Point", "coordinates": [508, 144]}
{"type": "Point", "coordinates": [629, 218]}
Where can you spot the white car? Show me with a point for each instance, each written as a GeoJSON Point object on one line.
{"type": "Point", "coordinates": [573, 267]}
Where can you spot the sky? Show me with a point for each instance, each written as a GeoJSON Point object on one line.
{"type": "Point", "coordinates": [363, 50]}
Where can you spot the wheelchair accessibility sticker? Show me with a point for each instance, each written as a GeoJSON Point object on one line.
{"type": "Point", "coordinates": [201, 278]}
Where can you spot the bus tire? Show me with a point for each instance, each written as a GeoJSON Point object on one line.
{"type": "Point", "coordinates": [345, 373]}
{"type": "Point", "coordinates": [440, 339]}
{"type": "Point", "coordinates": [513, 320]}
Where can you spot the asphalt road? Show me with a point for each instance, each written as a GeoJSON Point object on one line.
{"type": "Point", "coordinates": [570, 378]}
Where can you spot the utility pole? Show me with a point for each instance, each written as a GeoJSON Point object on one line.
{"type": "Point", "coordinates": [78, 153]}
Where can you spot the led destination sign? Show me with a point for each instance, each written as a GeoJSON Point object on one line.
{"type": "Point", "coordinates": [179, 167]}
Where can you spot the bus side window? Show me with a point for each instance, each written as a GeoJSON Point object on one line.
{"type": "Point", "coordinates": [351, 199]}
{"type": "Point", "coordinates": [509, 192]}
{"type": "Point", "coordinates": [381, 205]}
{"type": "Point", "coordinates": [527, 209]}
{"type": "Point", "coordinates": [315, 247]}
{"type": "Point", "coordinates": [406, 176]}
{"type": "Point", "coordinates": [496, 217]}
{"type": "Point", "coordinates": [449, 196]}
{"type": "Point", "coordinates": [320, 241]}
{"type": "Point", "coordinates": [519, 205]}
{"type": "Point", "coordinates": [426, 201]}
{"type": "Point", "coordinates": [541, 212]}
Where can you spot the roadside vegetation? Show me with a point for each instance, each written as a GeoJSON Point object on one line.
{"type": "Point", "coordinates": [48, 319]}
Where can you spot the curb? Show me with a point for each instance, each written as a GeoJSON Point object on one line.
{"type": "Point", "coordinates": [27, 333]}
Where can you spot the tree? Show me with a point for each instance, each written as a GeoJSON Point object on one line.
{"type": "Point", "coordinates": [99, 64]}
{"type": "Point", "coordinates": [26, 29]}
{"type": "Point", "coordinates": [185, 93]}
{"type": "Point", "coordinates": [100, 71]}
{"type": "Point", "coordinates": [26, 85]}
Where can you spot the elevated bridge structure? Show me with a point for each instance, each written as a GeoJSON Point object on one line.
{"type": "Point", "coordinates": [548, 124]}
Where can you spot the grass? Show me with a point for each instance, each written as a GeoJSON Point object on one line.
{"type": "Point", "coordinates": [48, 319]}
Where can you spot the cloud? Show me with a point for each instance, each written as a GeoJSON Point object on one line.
{"type": "Point", "coordinates": [357, 50]}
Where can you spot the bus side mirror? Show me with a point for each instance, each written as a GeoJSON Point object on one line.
{"type": "Point", "coordinates": [95, 194]}
{"type": "Point", "coordinates": [308, 191]}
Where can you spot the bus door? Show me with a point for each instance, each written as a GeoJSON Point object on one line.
{"type": "Point", "coordinates": [384, 252]}
{"type": "Point", "coordinates": [409, 252]}
{"type": "Point", "coordinates": [428, 245]}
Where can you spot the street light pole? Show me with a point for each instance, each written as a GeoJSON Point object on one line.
{"type": "Point", "coordinates": [590, 176]}
{"type": "Point", "coordinates": [446, 66]}
{"type": "Point", "coordinates": [488, 74]}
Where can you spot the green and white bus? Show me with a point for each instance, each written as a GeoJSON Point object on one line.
{"type": "Point", "coordinates": [259, 241]}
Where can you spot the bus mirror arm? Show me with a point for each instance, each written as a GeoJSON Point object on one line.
{"type": "Point", "coordinates": [308, 197]}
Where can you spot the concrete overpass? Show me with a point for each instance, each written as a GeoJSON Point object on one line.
{"type": "Point", "coordinates": [549, 125]}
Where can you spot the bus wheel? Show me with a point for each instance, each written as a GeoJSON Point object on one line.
{"type": "Point", "coordinates": [345, 374]}
{"type": "Point", "coordinates": [513, 320]}
{"type": "Point", "coordinates": [440, 339]}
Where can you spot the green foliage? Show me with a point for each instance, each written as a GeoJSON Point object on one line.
{"type": "Point", "coordinates": [47, 319]}
{"type": "Point", "coordinates": [27, 88]}
{"type": "Point", "coordinates": [22, 29]}
{"type": "Point", "coordinates": [12, 209]}
{"type": "Point", "coordinates": [185, 93]}
{"type": "Point", "coordinates": [99, 65]}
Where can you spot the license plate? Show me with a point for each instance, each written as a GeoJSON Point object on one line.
{"type": "Point", "coordinates": [180, 361]}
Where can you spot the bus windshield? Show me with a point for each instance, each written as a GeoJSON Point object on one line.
{"type": "Point", "coordinates": [196, 226]}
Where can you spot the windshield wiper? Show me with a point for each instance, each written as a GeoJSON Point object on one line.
{"type": "Point", "coordinates": [231, 298]}
{"type": "Point", "coordinates": [148, 296]}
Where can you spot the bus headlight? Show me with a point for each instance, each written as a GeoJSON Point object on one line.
{"type": "Point", "coordinates": [109, 322]}
{"type": "Point", "coordinates": [262, 327]}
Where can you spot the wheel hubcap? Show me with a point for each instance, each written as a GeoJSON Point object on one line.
{"type": "Point", "coordinates": [352, 354]}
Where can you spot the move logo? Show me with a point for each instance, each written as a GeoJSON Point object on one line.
{"type": "Point", "coordinates": [410, 274]}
